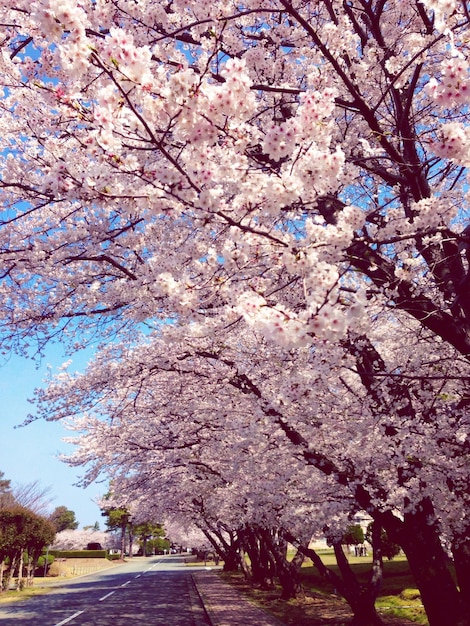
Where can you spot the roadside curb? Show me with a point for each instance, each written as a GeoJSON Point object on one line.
{"type": "Point", "coordinates": [199, 605]}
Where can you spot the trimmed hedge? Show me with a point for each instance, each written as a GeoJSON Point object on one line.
{"type": "Point", "coordinates": [79, 554]}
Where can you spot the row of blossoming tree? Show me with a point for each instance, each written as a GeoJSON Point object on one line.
{"type": "Point", "coordinates": [258, 212]}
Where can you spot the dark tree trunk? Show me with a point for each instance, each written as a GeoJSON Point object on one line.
{"type": "Point", "coordinates": [131, 537]}
{"type": "Point", "coordinates": [461, 553]}
{"type": "Point", "coordinates": [261, 567]}
{"type": "Point", "coordinates": [288, 573]}
{"type": "Point", "coordinates": [227, 545]}
{"type": "Point", "coordinates": [295, 573]}
{"type": "Point", "coordinates": [440, 597]}
{"type": "Point", "coordinates": [360, 597]}
{"type": "Point", "coordinates": [291, 586]}
{"type": "Point", "coordinates": [365, 613]}
{"type": "Point", "coordinates": [10, 572]}
{"type": "Point", "coordinates": [418, 535]}
{"type": "Point", "coordinates": [231, 559]}
{"type": "Point", "coordinates": [123, 541]}
{"type": "Point", "coordinates": [19, 579]}
{"type": "Point", "coordinates": [268, 560]}
{"type": "Point", "coordinates": [243, 564]}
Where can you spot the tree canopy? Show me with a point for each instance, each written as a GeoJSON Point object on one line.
{"type": "Point", "coordinates": [23, 533]}
{"type": "Point", "coordinates": [6, 496]}
{"type": "Point", "coordinates": [63, 519]}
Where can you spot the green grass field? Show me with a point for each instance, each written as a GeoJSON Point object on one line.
{"type": "Point", "coordinates": [396, 576]}
{"type": "Point", "coordinates": [398, 595]}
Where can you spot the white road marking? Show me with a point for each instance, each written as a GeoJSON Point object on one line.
{"type": "Point", "coordinates": [138, 575]}
{"type": "Point", "coordinates": [106, 596]}
{"type": "Point", "coordinates": [69, 619]}
{"type": "Point", "coordinates": [152, 567]}
{"type": "Point", "coordinates": [124, 584]}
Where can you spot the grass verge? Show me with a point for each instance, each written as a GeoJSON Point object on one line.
{"type": "Point", "coordinates": [7, 597]}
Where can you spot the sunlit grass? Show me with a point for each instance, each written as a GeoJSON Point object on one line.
{"type": "Point", "coordinates": [14, 596]}
{"type": "Point", "coordinates": [396, 575]}
{"type": "Point", "coordinates": [411, 609]}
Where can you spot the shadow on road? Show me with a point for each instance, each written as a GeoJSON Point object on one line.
{"type": "Point", "coordinates": [142, 591]}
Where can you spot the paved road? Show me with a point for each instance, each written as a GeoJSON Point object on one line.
{"type": "Point", "coordinates": [155, 591]}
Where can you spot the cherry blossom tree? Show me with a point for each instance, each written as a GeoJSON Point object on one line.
{"type": "Point", "coordinates": [78, 539]}
{"type": "Point", "coordinates": [224, 410]}
{"type": "Point", "coordinates": [298, 167]}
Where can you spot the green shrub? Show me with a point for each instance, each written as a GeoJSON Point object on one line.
{"type": "Point", "coordinates": [41, 569]}
{"type": "Point", "coordinates": [42, 560]}
{"type": "Point", "coordinates": [113, 557]}
{"type": "Point", "coordinates": [410, 594]}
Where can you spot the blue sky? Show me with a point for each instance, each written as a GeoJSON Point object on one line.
{"type": "Point", "coordinates": [30, 453]}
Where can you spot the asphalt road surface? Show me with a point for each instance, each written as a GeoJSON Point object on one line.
{"type": "Point", "coordinates": [142, 592]}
